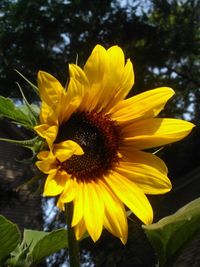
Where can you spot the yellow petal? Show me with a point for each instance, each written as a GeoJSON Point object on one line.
{"type": "Point", "coordinates": [68, 193]}
{"type": "Point", "coordinates": [116, 59]}
{"type": "Point", "coordinates": [47, 132]}
{"type": "Point", "coordinates": [147, 178]}
{"type": "Point", "coordinates": [155, 132]}
{"type": "Point", "coordinates": [56, 102]}
{"type": "Point", "coordinates": [55, 183]}
{"type": "Point", "coordinates": [127, 81]}
{"type": "Point", "coordinates": [80, 229]}
{"type": "Point", "coordinates": [78, 204]}
{"type": "Point", "coordinates": [48, 114]}
{"type": "Point", "coordinates": [47, 166]}
{"type": "Point", "coordinates": [47, 163]}
{"type": "Point", "coordinates": [144, 105]}
{"type": "Point", "coordinates": [115, 220]}
{"type": "Point", "coordinates": [93, 210]}
{"type": "Point", "coordinates": [53, 97]}
{"type": "Point", "coordinates": [66, 149]}
{"type": "Point", "coordinates": [110, 79]}
{"type": "Point", "coordinates": [118, 80]}
{"type": "Point", "coordinates": [130, 154]}
{"type": "Point", "coordinates": [50, 88]}
{"type": "Point", "coordinates": [132, 196]}
{"type": "Point", "coordinates": [45, 154]}
{"type": "Point", "coordinates": [96, 67]}
{"type": "Point", "coordinates": [123, 86]}
{"type": "Point", "coordinates": [76, 91]}
{"type": "Point", "coordinates": [79, 75]}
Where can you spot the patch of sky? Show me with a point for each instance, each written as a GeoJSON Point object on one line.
{"type": "Point", "coordinates": [58, 48]}
{"type": "Point", "coordinates": [189, 114]}
{"type": "Point", "coordinates": [142, 6]}
{"type": "Point", "coordinates": [49, 211]}
{"type": "Point", "coordinates": [157, 70]}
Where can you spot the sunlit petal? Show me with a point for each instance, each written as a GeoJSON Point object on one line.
{"type": "Point", "coordinates": [144, 105]}
{"type": "Point", "coordinates": [50, 88]}
{"type": "Point", "coordinates": [132, 196]}
{"type": "Point", "coordinates": [55, 183]}
{"type": "Point", "coordinates": [155, 132]}
{"type": "Point", "coordinates": [115, 220]}
{"type": "Point", "coordinates": [78, 204]}
{"type": "Point", "coordinates": [130, 154]}
{"type": "Point", "coordinates": [93, 210]}
{"type": "Point", "coordinates": [147, 178]}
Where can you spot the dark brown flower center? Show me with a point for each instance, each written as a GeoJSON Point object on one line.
{"type": "Point", "coordinates": [98, 136]}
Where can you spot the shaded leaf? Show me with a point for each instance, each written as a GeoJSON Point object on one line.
{"type": "Point", "coordinates": [43, 244]}
{"type": "Point", "coordinates": [9, 237]}
{"type": "Point", "coordinates": [171, 235]}
{"type": "Point", "coordinates": [19, 257]}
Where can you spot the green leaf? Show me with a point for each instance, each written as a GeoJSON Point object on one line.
{"type": "Point", "coordinates": [172, 234]}
{"type": "Point", "coordinates": [9, 237]}
{"type": "Point", "coordinates": [18, 114]}
{"type": "Point", "coordinates": [43, 244]}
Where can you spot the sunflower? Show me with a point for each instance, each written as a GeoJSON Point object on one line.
{"type": "Point", "coordinates": [96, 139]}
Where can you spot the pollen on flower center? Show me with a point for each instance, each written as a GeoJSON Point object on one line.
{"type": "Point", "coordinates": [99, 138]}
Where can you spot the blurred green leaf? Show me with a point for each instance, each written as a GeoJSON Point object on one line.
{"type": "Point", "coordinates": [20, 114]}
{"type": "Point", "coordinates": [9, 237]}
{"type": "Point", "coordinates": [19, 257]}
{"type": "Point", "coordinates": [43, 244]}
{"type": "Point", "coordinates": [171, 235]}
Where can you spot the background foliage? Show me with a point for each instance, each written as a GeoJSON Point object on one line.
{"type": "Point", "coordinates": [162, 38]}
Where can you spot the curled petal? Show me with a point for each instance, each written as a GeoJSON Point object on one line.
{"type": "Point", "coordinates": [47, 132]}
{"type": "Point", "coordinates": [66, 149]}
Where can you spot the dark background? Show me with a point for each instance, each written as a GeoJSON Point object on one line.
{"type": "Point", "coordinates": [162, 39]}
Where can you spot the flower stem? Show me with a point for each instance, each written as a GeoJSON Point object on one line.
{"type": "Point", "coordinates": [73, 248]}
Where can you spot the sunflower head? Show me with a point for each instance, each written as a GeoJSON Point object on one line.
{"type": "Point", "coordinates": [99, 138]}
{"type": "Point", "coordinates": [96, 139]}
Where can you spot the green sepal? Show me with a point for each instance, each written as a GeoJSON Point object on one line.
{"type": "Point", "coordinates": [172, 234]}
{"type": "Point", "coordinates": [34, 87]}
{"type": "Point", "coordinates": [32, 144]}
